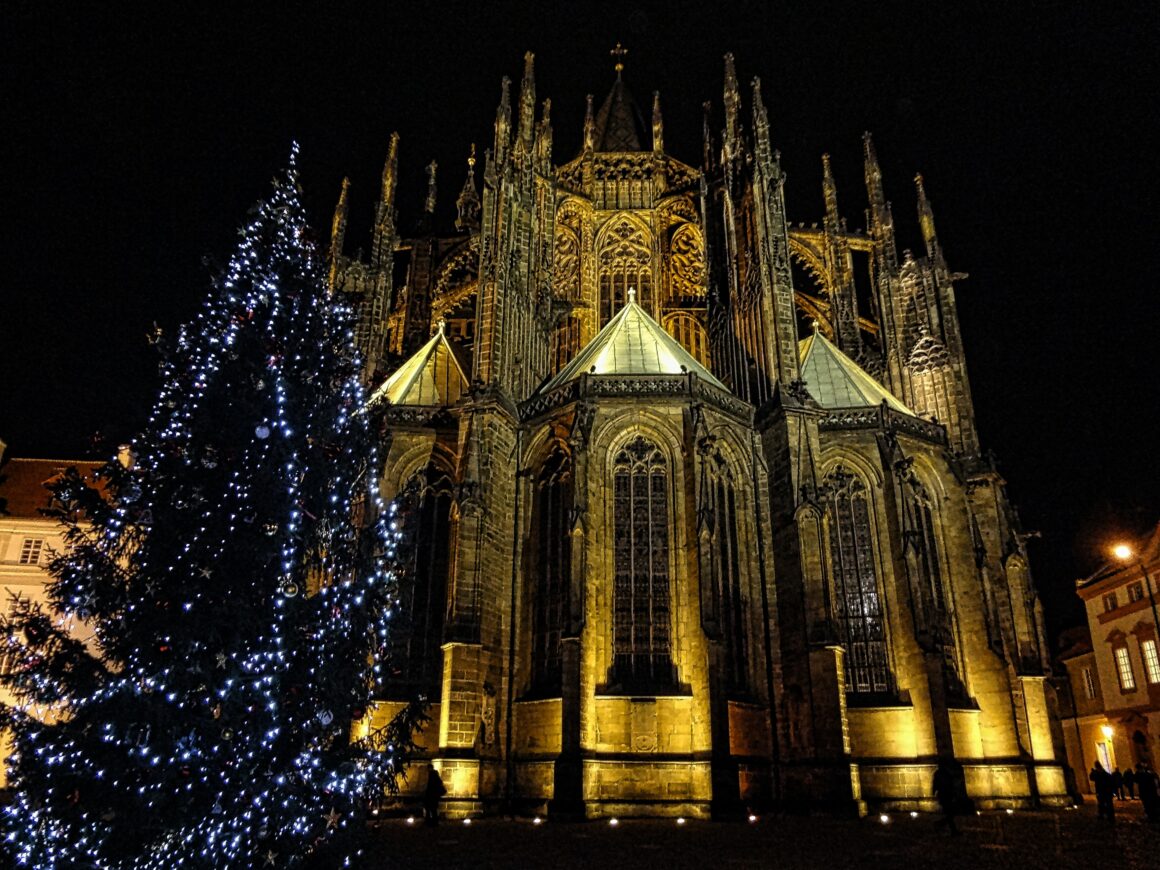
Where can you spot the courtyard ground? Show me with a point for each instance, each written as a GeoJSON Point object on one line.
{"type": "Point", "coordinates": [1023, 839]}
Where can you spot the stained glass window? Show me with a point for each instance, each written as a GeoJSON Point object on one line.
{"type": "Point", "coordinates": [857, 603]}
{"type": "Point", "coordinates": [641, 610]}
{"type": "Point", "coordinates": [551, 566]}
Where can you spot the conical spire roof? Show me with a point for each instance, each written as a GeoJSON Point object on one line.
{"type": "Point", "coordinates": [432, 376]}
{"type": "Point", "coordinates": [619, 123]}
{"type": "Point", "coordinates": [836, 381]}
{"type": "Point", "coordinates": [632, 343]}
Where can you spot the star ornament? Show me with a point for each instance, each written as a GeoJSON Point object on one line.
{"type": "Point", "coordinates": [221, 660]}
{"type": "Point", "coordinates": [271, 858]}
{"type": "Point", "coordinates": [332, 818]}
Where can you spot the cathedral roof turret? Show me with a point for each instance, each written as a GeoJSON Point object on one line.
{"type": "Point", "coordinates": [619, 124]}
{"type": "Point", "coordinates": [632, 343]}
{"type": "Point", "coordinates": [432, 376]}
{"type": "Point", "coordinates": [836, 381]}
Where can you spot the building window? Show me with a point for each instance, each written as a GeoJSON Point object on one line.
{"type": "Point", "coordinates": [641, 633]}
{"type": "Point", "coordinates": [857, 604]}
{"type": "Point", "coordinates": [625, 261]}
{"type": "Point", "coordinates": [552, 568]}
{"type": "Point", "coordinates": [941, 622]}
{"type": "Point", "coordinates": [1151, 660]}
{"type": "Point", "coordinates": [1136, 592]}
{"type": "Point", "coordinates": [1124, 669]}
{"type": "Point", "coordinates": [30, 551]}
{"type": "Point", "coordinates": [1089, 684]}
{"type": "Point", "coordinates": [730, 603]}
{"type": "Point", "coordinates": [1110, 602]}
{"type": "Point", "coordinates": [415, 655]}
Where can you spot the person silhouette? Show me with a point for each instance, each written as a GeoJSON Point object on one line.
{"type": "Point", "coordinates": [432, 794]}
{"type": "Point", "coordinates": [1105, 792]}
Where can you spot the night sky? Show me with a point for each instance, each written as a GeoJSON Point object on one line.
{"type": "Point", "coordinates": [138, 136]}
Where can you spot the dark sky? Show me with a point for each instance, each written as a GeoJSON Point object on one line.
{"type": "Point", "coordinates": [137, 136]}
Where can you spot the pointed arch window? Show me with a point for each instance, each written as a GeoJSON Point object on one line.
{"type": "Point", "coordinates": [731, 604]}
{"type": "Point", "coordinates": [936, 595]}
{"type": "Point", "coordinates": [625, 260]}
{"type": "Point", "coordinates": [416, 657]}
{"type": "Point", "coordinates": [857, 603]}
{"type": "Point", "coordinates": [642, 658]}
{"type": "Point", "coordinates": [551, 566]}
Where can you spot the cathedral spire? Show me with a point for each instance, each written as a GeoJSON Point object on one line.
{"type": "Point", "coordinates": [338, 232]}
{"type": "Point", "coordinates": [732, 98]}
{"type": "Point", "coordinates": [383, 243]}
{"type": "Point", "coordinates": [926, 220]}
{"type": "Point", "coordinates": [467, 205]}
{"type": "Point", "coordinates": [589, 126]}
{"type": "Point", "coordinates": [830, 194]}
{"type": "Point", "coordinates": [761, 141]}
{"type": "Point", "coordinates": [503, 122]}
{"type": "Point", "coordinates": [706, 137]}
{"type": "Point", "coordinates": [543, 146]}
{"type": "Point", "coordinates": [528, 102]}
{"type": "Point", "coordinates": [658, 125]}
{"type": "Point", "coordinates": [873, 180]}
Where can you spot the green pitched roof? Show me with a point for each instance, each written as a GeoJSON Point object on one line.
{"type": "Point", "coordinates": [432, 376]}
{"type": "Point", "coordinates": [836, 381]}
{"type": "Point", "coordinates": [632, 343]}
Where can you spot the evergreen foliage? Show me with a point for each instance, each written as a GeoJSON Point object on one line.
{"type": "Point", "coordinates": [218, 622]}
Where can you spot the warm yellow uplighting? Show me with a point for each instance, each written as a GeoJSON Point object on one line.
{"type": "Point", "coordinates": [1123, 552]}
{"type": "Point", "coordinates": [1107, 731]}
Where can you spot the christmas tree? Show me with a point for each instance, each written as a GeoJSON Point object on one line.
{"type": "Point", "coordinates": [237, 577]}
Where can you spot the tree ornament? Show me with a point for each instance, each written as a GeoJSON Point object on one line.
{"type": "Point", "coordinates": [262, 430]}
{"type": "Point", "coordinates": [289, 588]}
{"type": "Point", "coordinates": [270, 529]}
{"type": "Point", "coordinates": [325, 717]}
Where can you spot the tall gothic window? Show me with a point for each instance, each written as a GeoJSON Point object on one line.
{"type": "Point", "coordinates": [857, 603]}
{"type": "Point", "coordinates": [929, 565]}
{"type": "Point", "coordinates": [731, 604]}
{"type": "Point", "coordinates": [642, 657]}
{"type": "Point", "coordinates": [551, 566]}
{"type": "Point", "coordinates": [625, 261]}
{"type": "Point", "coordinates": [416, 659]}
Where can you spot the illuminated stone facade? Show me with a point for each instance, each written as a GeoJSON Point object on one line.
{"type": "Point", "coordinates": [658, 570]}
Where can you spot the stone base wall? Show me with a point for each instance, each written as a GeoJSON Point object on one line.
{"type": "Point", "coordinates": [646, 788]}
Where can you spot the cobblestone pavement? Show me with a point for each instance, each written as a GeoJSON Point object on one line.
{"type": "Point", "coordinates": [1024, 839]}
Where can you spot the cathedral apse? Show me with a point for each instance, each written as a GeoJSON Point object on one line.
{"type": "Point", "coordinates": [701, 518]}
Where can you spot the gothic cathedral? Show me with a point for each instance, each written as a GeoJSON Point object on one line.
{"type": "Point", "coordinates": [673, 553]}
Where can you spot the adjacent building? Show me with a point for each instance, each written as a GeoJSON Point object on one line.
{"type": "Point", "coordinates": [28, 539]}
{"type": "Point", "coordinates": [1111, 704]}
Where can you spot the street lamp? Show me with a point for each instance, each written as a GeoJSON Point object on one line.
{"type": "Point", "coordinates": [1107, 730]}
{"type": "Point", "coordinates": [1126, 554]}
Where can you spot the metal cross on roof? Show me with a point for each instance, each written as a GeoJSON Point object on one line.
{"type": "Point", "coordinates": [619, 53]}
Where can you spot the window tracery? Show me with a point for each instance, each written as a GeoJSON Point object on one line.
{"type": "Point", "coordinates": [641, 600]}
{"type": "Point", "coordinates": [687, 264]}
{"type": "Point", "coordinates": [857, 604]}
{"type": "Point", "coordinates": [625, 260]}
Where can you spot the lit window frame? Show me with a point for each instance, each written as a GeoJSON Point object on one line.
{"type": "Point", "coordinates": [1151, 657]}
{"type": "Point", "coordinates": [1110, 602]}
{"type": "Point", "coordinates": [1124, 672]}
{"type": "Point", "coordinates": [31, 551]}
{"type": "Point", "coordinates": [1089, 684]}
